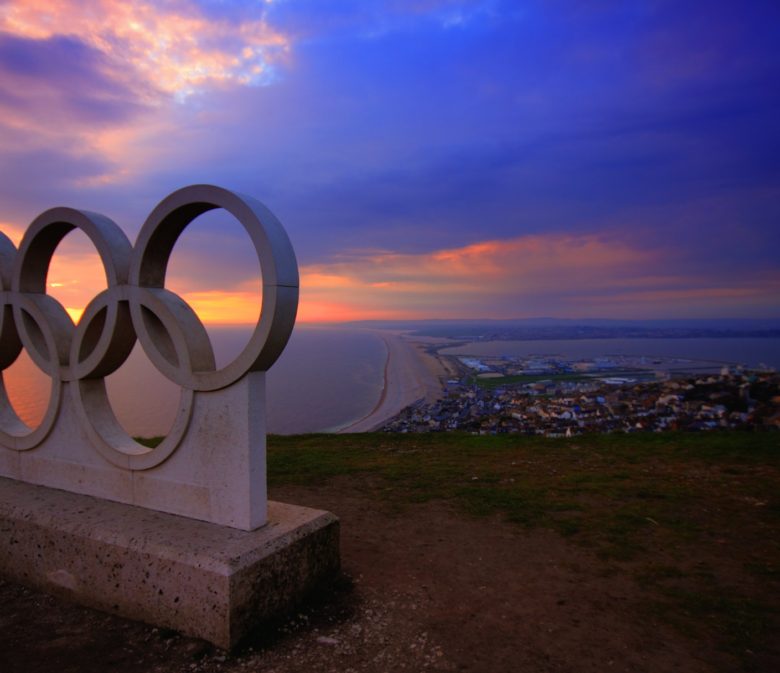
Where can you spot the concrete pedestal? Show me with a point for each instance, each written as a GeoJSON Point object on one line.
{"type": "Point", "coordinates": [205, 580]}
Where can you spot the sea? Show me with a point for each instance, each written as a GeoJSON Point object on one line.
{"type": "Point", "coordinates": [752, 352]}
{"type": "Point", "coordinates": [330, 377]}
{"type": "Point", "coordinates": [326, 378]}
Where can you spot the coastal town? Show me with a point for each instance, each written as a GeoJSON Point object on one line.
{"type": "Point", "coordinates": [554, 397]}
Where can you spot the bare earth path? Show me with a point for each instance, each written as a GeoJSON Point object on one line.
{"type": "Point", "coordinates": [425, 588]}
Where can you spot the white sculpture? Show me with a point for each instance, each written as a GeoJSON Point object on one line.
{"type": "Point", "coordinates": [211, 465]}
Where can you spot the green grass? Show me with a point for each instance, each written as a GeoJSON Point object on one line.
{"type": "Point", "coordinates": [698, 499]}
{"type": "Point", "coordinates": [521, 379]}
{"type": "Point", "coordinates": [617, 491]}
{"type": "Point", "coordinates": [151, 442]}
{"type": "Point", "coordinates": [744, 626]}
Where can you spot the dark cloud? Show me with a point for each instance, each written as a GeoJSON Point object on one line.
{"type": "Point", "coordinates": [61, 81]}
{"type": "Point", "coordinates": [54, 95]}
{"type": "Point", "coordinates": [36, 179]}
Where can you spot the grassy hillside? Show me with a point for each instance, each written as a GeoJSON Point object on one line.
{"type": "Point", "coordinates": [692, 518]}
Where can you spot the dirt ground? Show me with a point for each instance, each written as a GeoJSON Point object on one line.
{"type": "Point", "coordinates": [428, 588]}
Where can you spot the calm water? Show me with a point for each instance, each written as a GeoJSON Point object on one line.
{"type": "Point", "coordinates": [748, 351]}
{"type": "Point", "coordinates": [326, 378]}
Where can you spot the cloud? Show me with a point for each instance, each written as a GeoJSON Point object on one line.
{"type": "Point", "coordinates": [559, 275]}
{"type": "Point", "coordinates": [59, 81]}
{"type": "Point", "coordinates": [530, 276]}
{"type": "Point", "coordinates": [103, 79]}
{"type": "Point", "coordinates": [213, 268]}
{"type": "Point", "coordinates": [76, 276]}
{"type": "Point", "coordinates": [90, 92]}
{"type": "Point", "coordinates": [168, 47]}
{"type": "Point", "coordinates": [233, 307]}
{"type": "Point", "coordinates": [58, 97]}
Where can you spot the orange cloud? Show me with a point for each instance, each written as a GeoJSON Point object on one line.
{"type": "Point", "coordinates": [755, 297]}
{"type": "Point", "coordinates": [563, 275]}
{"type": "Point", "coordinates": [220, 307]}
{"type": "Point", "coordinates": [538, 260]}
{"type": "Point", "coordinates": [116, 109]}
{"type": "Point", "coordinates": [76, 275]}
{"type": "Point", "coordinates": [172, 46]}
{"type": "Point", "coordinates": [557, 275]}
{"type": "Point", "coordinates": [329, 281]}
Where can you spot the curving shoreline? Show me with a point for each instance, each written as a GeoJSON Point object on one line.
{"type": "Point", "coordinates": [409, 376]}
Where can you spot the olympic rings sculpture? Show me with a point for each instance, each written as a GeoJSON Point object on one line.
{"type": "Point", "coordinates": [134, 305]}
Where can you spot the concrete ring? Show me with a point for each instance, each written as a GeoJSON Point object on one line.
{"type": "Point", "coordinates": [104, 336]}
{"type": "Point", "coordinates": [10, 343]}
{"type": "Point", "coordinates": [45, 330]}
{"type": "Point", "coordinates": [278, 268]}
{"type": "Point", "coordinates": [104, 339]}
{"type": "Point", "coordinates": [15, 434]}
{"type": "Point", "coordinates": [28, 279]}
{"type": "Point", "coordinates": [171, 334]}
{"type": "Point", "coordinates": [96, 416]}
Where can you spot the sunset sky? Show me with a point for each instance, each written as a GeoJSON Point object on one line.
{"type": "Point", "coordinates": [429, 158]}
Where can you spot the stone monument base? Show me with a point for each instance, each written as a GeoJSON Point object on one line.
{"type": "Point", "coordinates": [202, 579]}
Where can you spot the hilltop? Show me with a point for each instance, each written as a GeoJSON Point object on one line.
{"type": "Point", "coordinates": [645, 552]}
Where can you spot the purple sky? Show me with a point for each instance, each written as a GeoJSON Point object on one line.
{"type": "Point", "coordinates": [429, 158]}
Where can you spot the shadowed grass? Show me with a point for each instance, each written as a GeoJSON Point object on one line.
{"type": "Point", "coordinates": [695, 501]}
{"type": "Point", "coordinates": [522, 379]}
{"type": "Point", "coordinates": [618, 490]}
{"type": "Point", "coordinates": [151, 442]}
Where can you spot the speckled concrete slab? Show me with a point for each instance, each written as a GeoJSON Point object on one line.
{"type": "Point", "coordinates": [200, 578]}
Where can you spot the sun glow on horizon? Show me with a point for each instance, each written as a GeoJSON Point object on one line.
{"type": "Point", "coordinates": [589, 276]}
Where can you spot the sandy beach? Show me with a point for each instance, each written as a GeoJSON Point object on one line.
{"type": "Point", "coordinates": [410, 375]}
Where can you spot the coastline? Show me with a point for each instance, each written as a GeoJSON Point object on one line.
{"type": "Point", "coordinates": [410, 375]}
